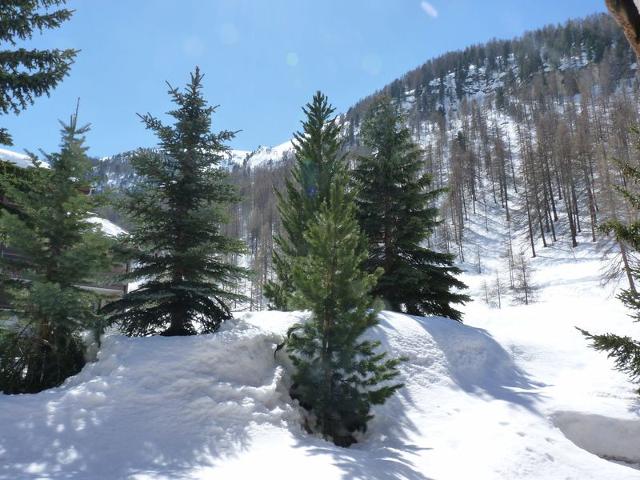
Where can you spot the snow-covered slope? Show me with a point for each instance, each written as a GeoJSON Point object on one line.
{"type": "Point", "coordinates": [261, 155]}
{"type": "Point", "coordinates": [513, 394]}
{"type": "Point", "coordinates": [116, 172]}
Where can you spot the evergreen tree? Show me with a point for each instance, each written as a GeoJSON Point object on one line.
{"type": "Point", "coordinates": [338, 375]}
{"type": "Point", "coordinates": [624, 350]}
{"type": "Point", "coordinates": [318, 162]}
{"type": "Point", "coordinates": [176, 247]}
{"type": "Point", "coordinates": [53, 248]}
{"type": "Point", "coordinates": [29, 73]}
{"type": "Point", "coordinates": [396, 214]}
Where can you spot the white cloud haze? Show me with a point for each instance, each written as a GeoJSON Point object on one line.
{"type": "Point", "coordinates": [429, 9]}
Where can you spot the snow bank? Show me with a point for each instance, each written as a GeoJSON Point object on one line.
{"type": "Point", "coordinates": [614, 438]}
{"type": "Point", "coordinates": [148, 405]}
{"type": "Point", "coordinates": [216, 406]}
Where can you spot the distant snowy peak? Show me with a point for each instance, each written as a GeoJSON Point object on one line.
{"type": "Point", "coordinates": [117, 173]}
{"type": "Point", "coordinates": [19, 159]}
{"type": "Point", "coordinates": [261, 155]}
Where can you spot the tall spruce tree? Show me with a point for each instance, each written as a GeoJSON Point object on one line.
{"type": "Point", "coordinates": [29, 73]}
{"type": "Point", "coordinates": [52, 248]}
{"type": "Point", "coordinates": [318, 163]}
{"type": "Point", "coordinates": [624, 349]}
{"type": "Point", "coordinates": [396, 213]}
{"type": "Point", "coordinates": [176, 248]}
{"type": "Point", "coordinates": [338, 375]}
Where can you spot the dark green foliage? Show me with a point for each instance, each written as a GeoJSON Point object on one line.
{"type": "Point", "coordinates": [338, 376]}
{"type": "Point", "coordinates": [29, 73]}
{"type": "Point", "coordinates": [624, 350]}
{"type": "Point", "coordinates": [396, 214]}
{"type": "Point", "coordinates": [318, 162]}
{"type": "Point", "coordinates": [176, 248]}
{"type": "Point", "coordinates": [52, 249]}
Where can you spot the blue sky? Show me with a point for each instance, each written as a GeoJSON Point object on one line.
{"type": "Point", "coordinates": [262, 59]}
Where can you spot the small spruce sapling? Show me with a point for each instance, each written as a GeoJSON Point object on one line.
{"type": "Point", "coordinates": [338, 374]}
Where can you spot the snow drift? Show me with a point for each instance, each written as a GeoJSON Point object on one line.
{"type": "Point", "coordinates": [216, 406]}
{"type": "Point", "coordinates": [606, 437]}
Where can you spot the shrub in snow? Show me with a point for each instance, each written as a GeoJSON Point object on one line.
{"type": "Point", "coordinates": [338, 376]}
{"type": "Point", "coordinates": [524, 290]}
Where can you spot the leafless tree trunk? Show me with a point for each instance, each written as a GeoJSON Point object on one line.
{"type": "Point", "coordinates": [626, 14]}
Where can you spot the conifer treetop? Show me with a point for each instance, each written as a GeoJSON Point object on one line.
{"type": "Point", "coordinates": [29, 73]}
{"type": "Point", "coordinates": [319, 162]}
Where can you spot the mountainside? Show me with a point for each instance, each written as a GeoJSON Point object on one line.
{"type": "Point", "coordinates": [498, 72]}
{"type": "Point", "coordinates": [530, 125]}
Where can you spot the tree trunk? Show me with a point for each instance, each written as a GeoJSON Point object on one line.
{"type": "Point", "coordinates": [626, 14]}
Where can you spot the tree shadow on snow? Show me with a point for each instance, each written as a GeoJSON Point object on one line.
{"type": "Point", "coordinates": [372, 463]}
{"type": "Point", "coordinates": [108, 428]}
{"type": "Point", "coordinates": [478, 364]}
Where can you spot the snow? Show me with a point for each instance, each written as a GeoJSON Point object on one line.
{"type": "Point", "coordinates": [603, 436]}
{"type": "Point", "coordinates": [513, 393]}
{"type": "Point", "coordinates": [108, 228]}
{"type": "Point", "coordinates": [123, 416]}
{"type": "Point", "coordinates": [19, 159]}
{"type": "Point", "coordinates": [261, 155]}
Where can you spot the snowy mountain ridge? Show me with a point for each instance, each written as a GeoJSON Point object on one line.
{"type": "Point", "coordinates": [261, 155]}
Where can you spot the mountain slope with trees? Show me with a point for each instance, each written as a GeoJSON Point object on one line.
{"type": "Point", "coordinates": [531, 125]}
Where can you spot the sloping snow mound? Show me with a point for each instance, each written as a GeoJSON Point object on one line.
{"type": "Point", "coordinates": [217, 406]}
{"type": "Point", "coordinates": [442, 351]}
{"type": "Point", "coordinates": [611, 438]}
{"type": "Point", "coordinates": [151, 404]}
